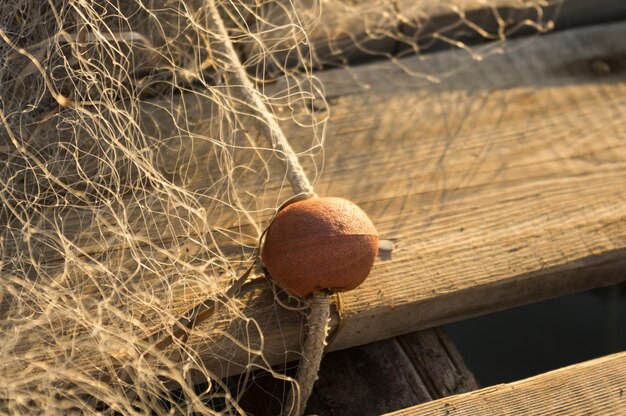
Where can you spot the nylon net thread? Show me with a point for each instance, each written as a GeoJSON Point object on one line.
{"type": "Point", "coordinates": [134, 183]}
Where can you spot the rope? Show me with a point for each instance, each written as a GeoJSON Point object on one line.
{"type": "Point", "coordinates": [318, 320]}
{"type": "Point", "coordinates": [263, 121]}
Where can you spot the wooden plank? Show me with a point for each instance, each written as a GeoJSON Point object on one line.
{"type": "Point", "coordinates": [349, 32]}
{"type": "Point", "coordinates": [596, 387]}
{"type": "Point", "coordinates": [436, 359]}
{"type": "Point", "coordinates": [501, 185]}
{"type": "Point", "coordinates": [346, 32]}
{"type": "Point", "coordinates": [387, 375]}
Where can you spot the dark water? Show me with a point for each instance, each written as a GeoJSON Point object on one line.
{"type": "Point", "coordinates": [528, 340]}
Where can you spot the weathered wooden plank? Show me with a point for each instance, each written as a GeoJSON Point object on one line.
{"type": "Point", "coordinates": [346, 32]}
{"type": "Point", "coordinates": [387, 375]}
{"type": "Point", "coordinates": [596, 387]}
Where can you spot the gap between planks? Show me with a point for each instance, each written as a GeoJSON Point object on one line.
{"type": "Point", "coordinates": [389, 375]}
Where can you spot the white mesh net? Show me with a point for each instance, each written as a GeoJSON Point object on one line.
{"type": "Point", "coordinates": [136, 182]}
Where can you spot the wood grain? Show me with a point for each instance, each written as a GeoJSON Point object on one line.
{"type": "Point", "coordinates": [436, 359]}
{"type": "Point", "coordinates": [596, 387]}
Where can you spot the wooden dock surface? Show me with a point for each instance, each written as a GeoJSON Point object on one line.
{"type": "Point", "coordinates": [596, 387]}
{"type": "Point", "coordinates": [500, 186]}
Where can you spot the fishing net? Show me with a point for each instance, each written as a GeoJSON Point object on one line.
{"type": "Point", "coordinates": [137, 178]}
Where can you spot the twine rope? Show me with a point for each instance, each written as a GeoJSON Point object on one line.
{"type": "Point", "coordinates": [262, 119]}
{"type": "Point", "coordinates": [264, 122]}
